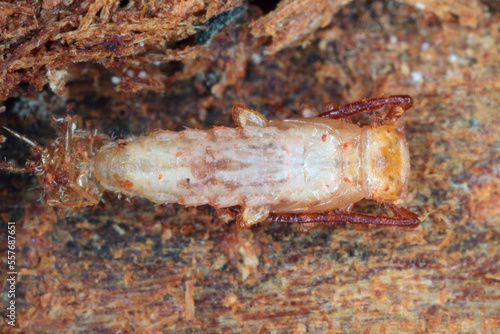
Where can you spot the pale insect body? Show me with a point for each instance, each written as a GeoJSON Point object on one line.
{"type": "Point", "coordinates": [294, 165]}
{"type": "Point", "coordinates": [296, 170]}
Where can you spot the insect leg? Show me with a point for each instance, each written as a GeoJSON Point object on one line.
{"type": "Point", "coordinates": [245, 217]}
{"type": "Point", "coordinates": [398, 103]}
{"type": "Point", "coordinates": [12, 167]}
{"type": "Point", "coordinates": [402, 212]}
{"type": "Point", "coordinates": [251, 216]}
{"type": "Point", "coordinates": [243, 116]}
{"type": "Point", "coordinates": [403, 218]}
{"type": "Point", "coordinates": [306, 110]}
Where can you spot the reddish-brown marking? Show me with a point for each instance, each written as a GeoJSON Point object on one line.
{"type": "Point", "coordinates": [346, 145]}
{"type": "Point", "coordinates": [127, 184]}
{"type": "Point", "coordinates": [323, 138]}
{"type": "Point", "coordinates": [160, 176]}
{"type": "Point", "coordinates": [347, 180]}
{"type": "Point", "coordinates": [121, 143]}
{"type": "Point", "coordinates": [37, 152]}
{"type": "Point", "coordinates": [80, 147]}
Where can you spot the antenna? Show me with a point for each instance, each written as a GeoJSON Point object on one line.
{"type": "Point", "coordinates": [21, 137]}
{"type": "Point", "coordinates": [12, 167]}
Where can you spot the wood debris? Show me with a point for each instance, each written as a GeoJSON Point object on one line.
{"type": "Point", "coordinates": [48, 37]}
{"type": "Point", "coordinates": [293, 22]}
{"type": "Point", "coordinates": [468, 12]}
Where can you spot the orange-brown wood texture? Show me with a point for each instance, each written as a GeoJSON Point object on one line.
{"type": "Point", "coordinates": [128, 266]}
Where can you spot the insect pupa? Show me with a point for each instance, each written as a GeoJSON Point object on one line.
{"type": "Point", "coordinates": [307, 171]}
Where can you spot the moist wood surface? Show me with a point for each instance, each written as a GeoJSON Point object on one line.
{"type": "Point", "coordinates": [127, 266]}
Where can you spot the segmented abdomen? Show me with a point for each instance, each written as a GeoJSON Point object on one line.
{"type": "Point", "coordinates": [285, 166]}
{"type": "Point", "coordinates": [251, 166]}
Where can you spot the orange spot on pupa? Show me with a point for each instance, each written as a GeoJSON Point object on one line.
{"type": "Point", "coordinates": [347, 180]}
{"type": "Point", "coordinates": [387, 189]}
{"type": "Point", "coordinates": [323, 138]}
{"type": "Point", "coordinates": [250, 137]}
{"type": "Point", "coordinates": [346, 145]}
{"type": "Point", "coordinates": [160, 176]}
{"type": "Point", "coordinates": [127, 184]}
{"type": "Point", "coordinates": [235, 145]}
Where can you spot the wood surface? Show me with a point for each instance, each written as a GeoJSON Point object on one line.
{"type": "Point", "coordinates": [128, 266]}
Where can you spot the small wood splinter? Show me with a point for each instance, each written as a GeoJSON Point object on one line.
{"type": "Point", "coordinates": [307, 171]}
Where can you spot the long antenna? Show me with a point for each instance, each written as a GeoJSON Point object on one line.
{"type": "Point", "coordinates": [12, 167]}
{"type": "Point", "coordinates": [21, 137]}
